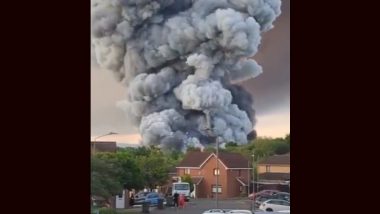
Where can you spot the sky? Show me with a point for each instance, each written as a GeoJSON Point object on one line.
{"type": "Point", "coordinates": [270, 90]}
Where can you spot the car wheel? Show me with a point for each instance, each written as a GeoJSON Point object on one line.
{"type": "Point", "coordinates": [269, 210]}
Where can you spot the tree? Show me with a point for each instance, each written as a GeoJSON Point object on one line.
{"type": "Point", "coordinates": [126, 170]}
{"type": "Point", "coordinates": [136, 168]}
{"type": "Point", "coordinates": [187, 178]}
{"type": "Point", "coordinates": [129, 173]}
{"type": "Point", "coordinates": [231, 145]}
{"type": "Point", "coordinates": [176, 155]}
{"type": "Point", "coordinates": [210, 149]}
{"type": "Point", "coordinates": [104, 181]}
{"type": "Point", "coordinates": [287, 138]}
{"type": "Point", "coordinates": [155, 168]}
{"type": "Point", "coordinates": [191, 149]}
{"type": "Point", "coordinates": [281, 148]}
{"type": "Point", "coordinates": [264, 147]}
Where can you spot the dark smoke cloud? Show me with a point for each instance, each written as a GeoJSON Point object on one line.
{"type": "Point", "coordinates": [180, 59]}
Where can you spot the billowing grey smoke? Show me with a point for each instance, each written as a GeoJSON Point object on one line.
{"type": "Point", "coordinates": [180, 59]}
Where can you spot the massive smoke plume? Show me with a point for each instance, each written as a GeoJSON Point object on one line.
{"type": "Point", "coordinates": [180, 59]}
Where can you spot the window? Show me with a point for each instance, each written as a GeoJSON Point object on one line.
{"type": "Point", "coordinates": [187, 171]}
{"type": "Point", "coordinates": [214, 189]}
{"type": "Point", "coordinates": [154, 195]}
{"type": "Point", "coordinates": [184, 186]}
{"type": "Point", "coordinates": [285, 203]}
{"type": "Point", "coordinates": [277, 202]}
{"type": "Point", "coordinates": [267, 168]}
{"type": "Point", "coordinates": [216, 171]}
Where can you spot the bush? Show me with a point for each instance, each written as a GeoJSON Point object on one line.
{"type": "Point", "coordinates": [107, 211]}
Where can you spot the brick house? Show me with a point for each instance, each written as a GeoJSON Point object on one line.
{"type": "Point", "coordinates": [275, 171]}
{"type": "Point", "coordinates": [201, 166]}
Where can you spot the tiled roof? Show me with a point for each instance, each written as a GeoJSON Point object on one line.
{"type": "Point", "coordinates": [231, 160]}
{"type": "Point", "coordinates": [277, 159]}
{"type": "Point", "coordinates": [194, 159]}
{"type": "Point", "coordinates": [274, 176]}
{"type": "Point", "coordinates": [242, 181]}
{"type": "Point", "coordinates": [104, 146]}
{"type": "Point", "coordinates": [196, 179]}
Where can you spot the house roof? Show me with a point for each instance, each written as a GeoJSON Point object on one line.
{"type": "Point", "coordinates": [197, 179]}
{"type": "Point", "coordinates": [195, 159]}
{"type": "Point", "coordinates": [277, 159]}
{"type": "Point", "coordinates": [242, 181]}
{"type": "Point", "coordinates": [233, 160]}
{"type": "Point", "coordinates": [274, 176]}
{"type": "Point", "coordinates": [104, 146]}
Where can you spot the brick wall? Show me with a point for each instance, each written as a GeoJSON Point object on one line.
{"type": "Point", "coordinates": [227, 179]}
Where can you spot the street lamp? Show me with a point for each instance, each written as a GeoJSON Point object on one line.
{"type": "Point", "coordinates": [110, 133]}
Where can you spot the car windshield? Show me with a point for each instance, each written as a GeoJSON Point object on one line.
{"type": "Point", "coordinates": [181, 186]}
{"type": "Point", "coordinates": [278, 202]}
{"type": "Point", "coordinates": [152, 195]}
{"type": "Point", "coordinates": [262, 198]}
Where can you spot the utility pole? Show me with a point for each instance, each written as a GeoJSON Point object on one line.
{"type": "Point", "coordinates": [217, 171]}
{"type": "Point", "coordinates": [253, 183]}
{"type": "Point", "coordinates": [249, 181]}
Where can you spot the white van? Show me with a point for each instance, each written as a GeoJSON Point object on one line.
{"type": "Point", "coordinates": [182, 188]}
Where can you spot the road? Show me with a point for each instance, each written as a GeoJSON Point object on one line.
{"type": "Point", "coordinates": [200, 205]}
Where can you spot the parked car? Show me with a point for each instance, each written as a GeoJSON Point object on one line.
{"type": "Point", "coordinates": [281, 195]}
{"type": "Point", "coordinates": [275, 205]}
{"type": "Point", "coordinates": [284, 211]}
{"type": "Point", "coordinates": [214, 211]}
{"type": "Point", "coordinates": [152, 198]}
{"type": "Point", "coordinates": [140, 198]}
{"type": "Point", "coordinates": [261, 199]}
{"type": "Point", "coordinates": [253, 196]}
{"type": "Point", "coordinates": [226, 211]}
{"type": "Point", "coordinates": [240, 211]}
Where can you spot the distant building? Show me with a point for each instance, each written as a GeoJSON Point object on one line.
{"type": "Point", "coordinates": [201, 166]}
{"type": "Point", "coordinates": [275, 171]}
{"type": "Point", "coordinates": [103, 146]}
